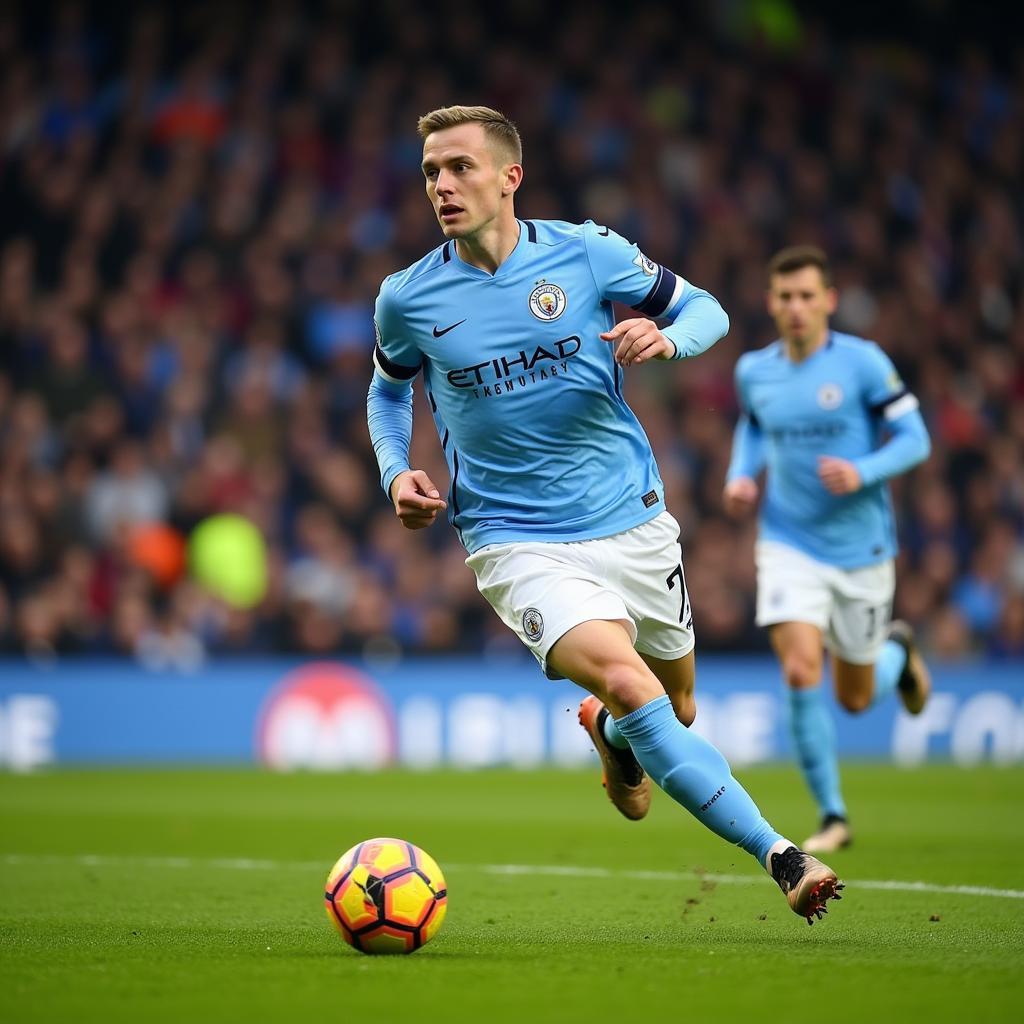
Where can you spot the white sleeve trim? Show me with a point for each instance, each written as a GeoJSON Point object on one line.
{"type": "Point", "coordinates": [903, 405]}
{"type": "Point", "coordinates": [677, 292]}
{"type": "Point", "coordinates": [387, 376]}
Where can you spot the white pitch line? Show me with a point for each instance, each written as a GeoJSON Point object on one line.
{"type": "Point", "coordinates": [693, 876]}
{"type": "Point", "coordinates": [549, 870]}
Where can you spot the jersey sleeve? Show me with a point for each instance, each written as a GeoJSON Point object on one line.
{"type": "Point", "coordinates": [886, 396]}
{"type": "Point", "coordinates": [748, 456]}
{"type": "Point", "coordinates": [624, 274]}
{"type": "Point", "coordinates": [741, 385]}
{"type": "Point", "coordinates": [396, 357]}
{"type": "Point", "coordinates": [884, 392]}
{"type": "Point", "coordinates": [396, 362]}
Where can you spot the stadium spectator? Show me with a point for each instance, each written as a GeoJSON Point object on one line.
{"type": "Point", "coordinates": [196, 210]}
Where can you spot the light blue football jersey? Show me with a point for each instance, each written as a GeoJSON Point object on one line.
{"type": "Point", "coordinates": [526, 397]}
{"type": "Point", "coordinates": [839, 401]}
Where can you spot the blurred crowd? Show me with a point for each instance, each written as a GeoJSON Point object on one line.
{"type": "Point", "coordinates": [199, 201]}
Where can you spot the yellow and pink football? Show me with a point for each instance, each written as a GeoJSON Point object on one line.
{"type": "Point", "coordinates": [386, 896]}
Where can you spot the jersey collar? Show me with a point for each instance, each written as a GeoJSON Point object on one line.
{"type": "Point", "coordinates": [511, 261]}
{"type": "Point", "coordinates": [783, 354]}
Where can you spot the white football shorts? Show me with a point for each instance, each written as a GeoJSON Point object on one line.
{"type": "Point", "coordinates": [540, 590]}
{"type": "Point", "coordinates": [851, 607]}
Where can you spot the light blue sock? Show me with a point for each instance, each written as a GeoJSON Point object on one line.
{"type": "Point", "coordinates": [888, 668]}
{"type": "Point", "coordinates": [814, 739]}
{"type": "Point", "coordinates": [612, 734]}
{"type": "Point", "coordinates": [696, 775]}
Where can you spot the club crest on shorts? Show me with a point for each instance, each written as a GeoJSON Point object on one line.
{"type": "Point", "coordinates": [830, 396]}
{"type": "Point", "coordinates": [533, 624]}
{"type": "Point", "coordinates": [547, 301]}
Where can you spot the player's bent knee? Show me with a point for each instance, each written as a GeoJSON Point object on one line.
{"type": "Point", "coordinates": [628, 688]}
{"type": "Point", "coordinates": [686, 710]}
{"type": "Point", "coordinates": [855, 702]}
{"type": "Point", "coordinates": [801, 673]}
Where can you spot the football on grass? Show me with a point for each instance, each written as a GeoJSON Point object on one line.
{"type": "Point", "coordinates": [386, 896]}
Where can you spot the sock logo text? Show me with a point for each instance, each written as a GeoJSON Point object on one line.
{"type": "Point", "coordinates": [704, 807]}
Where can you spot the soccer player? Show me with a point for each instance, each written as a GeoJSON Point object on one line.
{"type": "Point", "coordinates": [554, 490]}
{"type": "Point", "coordinates": [827, 416]}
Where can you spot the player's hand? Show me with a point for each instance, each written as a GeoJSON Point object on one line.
{"type": "Point", "coordinates": [416, 499]}
{"type": "Point", "coordinates": [740, 496]}
{"type": "Point", "coordinates": [838, 475]}
{"type": "Point", "coordinates": [638, 340]}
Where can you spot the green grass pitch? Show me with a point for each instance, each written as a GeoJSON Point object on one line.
{"type": "Point", "coordinates": [197, 896]}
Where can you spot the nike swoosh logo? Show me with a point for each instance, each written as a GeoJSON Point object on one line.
{"type": "Point", "coordinates": [603, 234]}
{"type": "Point", "coordinates": [438, 334]}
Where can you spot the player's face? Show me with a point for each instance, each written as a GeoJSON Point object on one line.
{"type": "Point", "coordinates": [801, 303]}
{"type": "Point", "coordinates": [465, 179]}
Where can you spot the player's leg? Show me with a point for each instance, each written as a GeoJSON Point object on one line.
{"type": "Point", "coordinates": [855, 685]}
{"type": "Point", "coordinates": [794, 597]}
{"type": "Point", "coordinates": [550, 596]}
{"type": "Point", "coordinates": [872, 657]}
{"type": "Point", "coordinates": [599, 656]}
{"type": "Point", "coordinates": [644, 568]}
{"type": "Point", "coordinates": [915, 681]}
{"type": "Point", "coordinates": [898, 667]}
{"type": "Point", "coordinates": [623, 777]}
{"type": "Point", "coordinates": [798, 647]}
{"type": "Point", "coordinates": [540, 591]}
{"type": "Point", "coordinates": [677, 677]}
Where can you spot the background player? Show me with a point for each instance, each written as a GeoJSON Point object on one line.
{"type": "Point", "coordinates": [554, 489]}
{"type": "Point", "coordinates": [814, 406]}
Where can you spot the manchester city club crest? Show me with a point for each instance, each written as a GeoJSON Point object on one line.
{"type": "Point", "coordinates": [533, 624]}
{"type": "Point", "coordinates": [830, 396]}
{"type": "Point", "coordinates": [547, 301]}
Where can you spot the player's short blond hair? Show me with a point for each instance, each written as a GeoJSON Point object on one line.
{"type": "Point", "coordinates": [497, 127]}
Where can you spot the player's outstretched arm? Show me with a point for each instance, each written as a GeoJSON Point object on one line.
{"type": "Point", "coordinates": [416, 499]}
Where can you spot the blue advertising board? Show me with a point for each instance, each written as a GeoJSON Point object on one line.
{"type": "Point", "coordinates": [464, 712]}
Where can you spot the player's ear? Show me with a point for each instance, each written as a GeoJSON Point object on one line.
{"type": "Point", "coordinates": [513, 178]}
{"type": "Point", "coordinates": [831, 300]}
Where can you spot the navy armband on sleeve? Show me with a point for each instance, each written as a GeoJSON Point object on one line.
{"type": "Point", "coordinates": [662, 295]}
{"type": "Point", "coordinates": [394, 372]}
